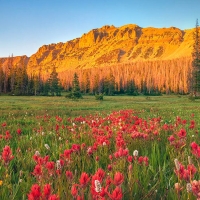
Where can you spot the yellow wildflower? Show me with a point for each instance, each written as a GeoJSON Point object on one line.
{"type": "Point", "coordinates": [1, 182]}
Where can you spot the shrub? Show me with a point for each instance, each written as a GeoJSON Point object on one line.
{"type": "Point", "coordinates": [99, 97]}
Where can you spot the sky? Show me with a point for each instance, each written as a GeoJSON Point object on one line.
{"type": "Point", "coordinates": [26, 25]}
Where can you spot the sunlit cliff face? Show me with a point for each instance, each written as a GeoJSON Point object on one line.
{"type": "Point", "coordinates": [110, 45]}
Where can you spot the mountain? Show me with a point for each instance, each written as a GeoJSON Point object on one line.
{"type": "Point", "coordinates": [110, 45]}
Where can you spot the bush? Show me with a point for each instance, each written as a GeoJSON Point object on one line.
{"type": "Point", "coordinates": [99, 97]}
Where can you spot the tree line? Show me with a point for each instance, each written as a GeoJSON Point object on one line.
{"type": "Point", "coordinates": [149, 78]}
{"type": "Point", "coordinates": [14, 80]}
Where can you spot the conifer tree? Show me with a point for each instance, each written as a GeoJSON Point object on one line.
{"type": "Point", "coordinates": [196, 63]}
{"type": "Point", "coordinates": [75, 92]}
{"type": "Point", "coordinates": [54, 85]}
{"type": "Point", "coordinates": [1, 79]}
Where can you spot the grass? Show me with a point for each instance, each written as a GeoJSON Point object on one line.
{"type": "Point", "coordinates": [88, 105]}
{"type": "Point", "coordinates": [56, 121]}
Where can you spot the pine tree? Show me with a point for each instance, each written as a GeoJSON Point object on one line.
{"type": "Point", "coordinates": [1, 79]}
{"type": "Point", "coordinates": [131, 89]}
{"type": "Point", "coordinates": [196, 63]}
{"type": "Point", "coordinates": [75, 92]}
{"type": "Point", "coordinates": [54, 85]}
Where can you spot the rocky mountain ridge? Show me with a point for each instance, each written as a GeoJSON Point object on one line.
{"type": "Point", "coordinates": [110, 45]}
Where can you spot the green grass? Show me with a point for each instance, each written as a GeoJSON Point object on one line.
{"type": "Point", "coordinates": [168, 105]}
{"type": "Point", "coordinates": [29, 114]}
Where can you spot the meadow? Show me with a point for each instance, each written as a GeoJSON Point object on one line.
{"type": "Point", "coordinates": [123, 147]}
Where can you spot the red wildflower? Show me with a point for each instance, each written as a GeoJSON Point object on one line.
{"type": "Point", "coordinates": [116, 194]}
{"type": "Point", "coordinates": [4, 124]}
{"type": "Point", "coordinates": [118, 178]}
{"type": "Point", "coordinates": [47, 191]}
{"type": "Point", "coordinates": [182, 133]}
{"type": "Point", "coordinates": [76, 147]}
{"type": "Point", "coordinates": [130, 158]}
{"type": "Point", "coordinates": [7, 155]}
{"type": "Point", "coordinates": [53, 197]}
{"type": "Point", "coordinates": [35, 193]}
{"type": "Point", "coordinates": [50, 167]}
{"type": "Point", "coordinates": [37, 171]}
{"type": "Point", "coordinates": [84, 179]}
{"type": "Point", "coordinates": [140, 160]}
{"type": "Point", "coordinates": [74, 191]}
{"type": "Point", "coordinates": [109, 167]}
{"type": "Point", "coordinates": [8, 135]}
{"type": "Point", "coordinates": [146, 160]}
{"type": "Point", "coordinates": [69, 175]}
{"type": "Point", "coordinates": [100, 174]}
{"type": "Point", "coordinates": [19, 131]}
{"type": "Point", "coordinates": [171, 138]}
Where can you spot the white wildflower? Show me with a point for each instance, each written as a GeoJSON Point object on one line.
{"type": "Point", "coordinates": [189, 187]}
{"type": "Point", "coordinates": [97, 186]}
{"type": "Point", "coordinates": [37, 153]}
{"type": "Point", "coordinates": [47, 146]}
{"type": "Point", "coordinates": [104, 143]}
{"type": "Point", "coordinates": [135, 153]}
{"type": "Point", "coordinates": [58, 165]}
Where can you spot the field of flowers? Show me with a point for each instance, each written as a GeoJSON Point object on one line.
{"type": "Point", "coordinates": [112, 154]}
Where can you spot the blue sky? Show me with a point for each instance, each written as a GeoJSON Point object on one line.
{"type": "Point", "coordinates": [25, 25]}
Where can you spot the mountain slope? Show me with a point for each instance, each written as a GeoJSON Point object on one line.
{"type": "Point", "coordinates": [110, 45]}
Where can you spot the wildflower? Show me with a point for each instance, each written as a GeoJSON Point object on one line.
{"type": "Point", "coordinates": [171, 138]}
{"type": "Point", "coordinates": [116, 194]}
{"type": "Point", "coordinates": [7, 155]}
{"type": "Point", "coordinates": [37, 153]}
{"type": "Point", "coordinates": [58, 165]}
{"type": "Point", "coordinates": [97, 186]}
{"type": "Point", "coordinates": [47, 191]}
{"type": "Point", "coordinates": [1, 182]}
{"type": "Point", "coordinates": [118, 178]}
{"type": "Point", "coordinates": [37, 171]}
{"type": "Point", "coordinates": [69, 174]}
{"type": "Point", "coordinates": [47, 146]}
{"type": "Point", "coordinates": [74, 191]}
{"type": "Point", "coordinates": [50, 167]}
{"type": "Point", "coordinates": [109, 167]}
{"type": "Point", "coordinates": [104, 143]}
{"type": "Point", "coordinates": [146, 160]}
{"type": "Point", "coordinates": [130, 158]}
{"type": "Point", "coordinates": [35, 192]}
{"type": "Point", "coordinates": [19, 131]}
{"type": "Point", "coordinates": [84, 179]}
{"type": "Point", "coordinates": [135, 153]}
{"type": "Point", "coordinates": [189, 187]}
{"type": "Point", "coordinates": [182, 133]}
{"type": "Point", "coordinates": [76, 147]}
{"type": "Point", "coordinates": [140, 160]}
{"type": "Point", "coordinates": [89, 151]}
{"type": "Point", "coordinates": [8, 135]}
